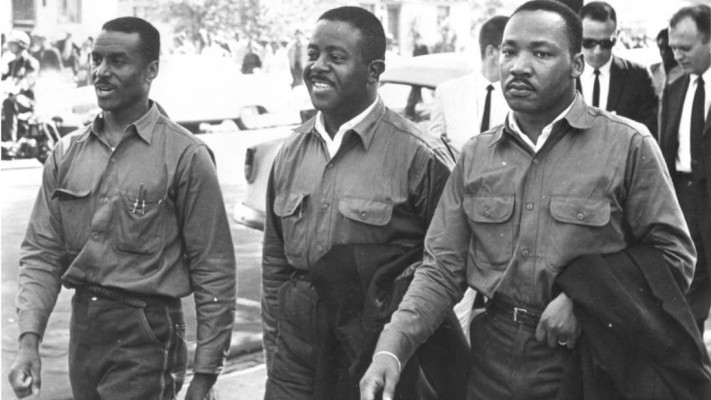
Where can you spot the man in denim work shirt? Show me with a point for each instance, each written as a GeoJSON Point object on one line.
{"type": "Point", "coordinates": [357, 173]}
{"type": "Point", "coordinates": [130, 214]}
{"type": "Point", "coordinates": [557, 181]}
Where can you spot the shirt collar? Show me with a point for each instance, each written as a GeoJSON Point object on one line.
{"type": "Point", "coordinates": [706, 75]}
{"type": "Point", "coordinates": [604, 69]}
{"type": "Point", "coordinates": [144, 126]}
{"type": "Point", "coordinates": [363, 124]}
{"type": "Point", "coordinates": [576, 115]}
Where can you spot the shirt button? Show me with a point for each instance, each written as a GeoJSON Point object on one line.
{"type": "Point", "coordinates": [580, 216]}
{"type": "Point", "coordinates": [329, 165]}
{"type": "Point", "coordinates": [525, 253]}
{"type": "Point", "coordinates": [104, 200]}
{"type": "Point", "coordinates": [94, 298]}
{"type": "Point", "coordinates": [95, 236]}
{"type": "Point", "coordinates": [535, 161]}
{"type": "Point", "coordinates": [529, 206]}
{"type": "Point", "coordinates": [487, 213]}
{"type": "Point", "coordinates": [319, 249]}
{"type": "Point", "coordinates": [363, 215]}
{"type": "Point", "coordinates": [324, 206]}
{"type": "Point", "coordinates": [113, 160]}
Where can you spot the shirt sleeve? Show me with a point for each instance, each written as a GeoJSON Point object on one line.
{"type": "Point", "coordinates": [210, 254]}
{"type": "Point", "coordinates": [652, 210]}
{"type": "Point", "coordinates": [441, 280]}
{"type": "Point", "coordinates": [42, 256]}
{"type": "Point", "coordinates": [275, 271]}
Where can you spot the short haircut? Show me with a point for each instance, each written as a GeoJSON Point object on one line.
{"type": "Point", "coordinates": [663, 34]}
{"type": "Point", "coordinates": [700, 14]}
{"type": "Point", "coordinates": [147, 33]}
{"type": "Point", "coordinates": [372, 44]}
{"type": "Point", "coordinates": [598, 11]}
{"type": "Point", "coordinates": [491, 32]}
{"type": "Point", "coordinates": [573, 25]}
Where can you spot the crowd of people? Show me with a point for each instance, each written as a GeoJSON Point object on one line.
{"type": "Point", "coordinates": [576, 214]}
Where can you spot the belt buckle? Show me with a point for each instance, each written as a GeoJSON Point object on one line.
{"type": "Point", "coordinates": [516, 311]}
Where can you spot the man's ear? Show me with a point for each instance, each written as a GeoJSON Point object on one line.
{"type": "Point", "coordinates": [491, 51]}
{"type": "Point", "coordinates": [152, 71]}
{"type": "Point", "coordinates": [375, 69]}
{"type": "Point", "coordinates": [578, 65]}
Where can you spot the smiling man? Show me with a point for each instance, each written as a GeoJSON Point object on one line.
{"type": "Point", "coordinates": [130, 215]}
{"type": "Point", "coordinates": [557, 181]}
{"type": "Point", "coordinates": [357, 173]}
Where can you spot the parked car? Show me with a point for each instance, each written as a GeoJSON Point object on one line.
{"type": "Point", "coordinates": [399, 78]}
{"type": "Point", "coordinates": [202, 93]}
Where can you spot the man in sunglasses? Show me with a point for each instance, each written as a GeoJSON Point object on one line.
{"type": "Point", "coordinates": [610, 82]}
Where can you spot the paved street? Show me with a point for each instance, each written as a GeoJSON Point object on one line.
{"type": "Point", "coordinates": [20, 181]}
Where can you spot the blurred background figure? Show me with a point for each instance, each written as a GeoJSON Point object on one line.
{"type": "Point", "coordinates": [668, 70]}
{"type": "Point", "coordinates": [69, 51]}
{"type": "Point", "coordinates": [418, 49]}
{"type": "Point", "coordinates": [18, 81]}
{"type": "Point", "coordinates": [297, 58]}
{"type": "Point", "coordinates": [45, 53]}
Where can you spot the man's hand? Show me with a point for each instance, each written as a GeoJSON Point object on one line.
{"type": "Point", "coordinates": [558, 325]}
{"type": "Point", "coordinates": [200, 386]}
{"type": "Point", "coordinates": [382, 375]}
{"type": "Point", "coordinates": [24, 373]}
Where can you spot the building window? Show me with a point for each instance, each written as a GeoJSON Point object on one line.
{"type": "Point", "coordinates": [23, 14]}
{"type": "Point", "coordinates": [69, 11]}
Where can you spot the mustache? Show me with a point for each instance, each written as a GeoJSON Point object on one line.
{"type": "Point", "coordinates": [518, 81]}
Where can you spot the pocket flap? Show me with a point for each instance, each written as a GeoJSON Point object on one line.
{"type": "Point", "coordinates": [580, 211]}
{"type": "Point", "coordinates": [492, 210]}
{"type": "Point", "coordinates": [67, 194]}
{"type": "Point", "coordinates": [286, 204]}
{"type": "Point", "coordinates": [370, 212]}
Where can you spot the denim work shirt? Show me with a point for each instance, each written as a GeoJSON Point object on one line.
{"type": "Point", "coordinates": [510, 219]}
{"type": "Point", "coordinates": [381, 187]}
{"type": "Point", "coordinates": [147, 217]}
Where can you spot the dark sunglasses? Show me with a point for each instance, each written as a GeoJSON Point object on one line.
{"type": "Point", "coordinates": [604, 43]}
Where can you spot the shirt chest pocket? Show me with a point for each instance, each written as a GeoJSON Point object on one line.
{"type": "Point", "coordinates": [365, 220]}
{"type": "Point", "coordinates": [290, 208]}
{"type": "Point", "coordinates": [76, 212]}
{"type": "Point", "coordinates": [578, 222]}
{"type": "Point", "coordinates": [140, 223]}
{"type": "Point", "coordinates": [490, 219]}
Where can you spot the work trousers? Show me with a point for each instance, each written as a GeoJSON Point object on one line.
{"type": "Point", "coordinates": [124, 347]}
{"type": "Point", "coordinates": [693, 200]}
{"type": "Point", "coordinates": [507, 362]}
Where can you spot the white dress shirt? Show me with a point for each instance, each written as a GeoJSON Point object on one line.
{"type": "Point", "coordinates": [545, 133]}
{"type": "Point", "coordinates": [334, 144]}
{"type": "Point", "coordinates": [683, 156]}
{"type": "Point", "coordinates": [587, 80]}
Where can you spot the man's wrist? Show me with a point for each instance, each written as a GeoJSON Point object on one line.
{"type": "Point", "coordinates": [29, 340]}
{"type": "Point", "coordinates": [391, 355]}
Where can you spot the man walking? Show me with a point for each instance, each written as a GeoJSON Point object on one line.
{"type": "Point", "coordinates": [474, 103]}
{"type": "Point", "coordinates": [685, 139]}
{"type": "Point", "coordinates": [608, 81]}
{"type": "Point", "coordinates": [557, 181]}
{"type": "Point", "coordinates": [130, 214]}
{"type": "Point", "coordinates": [356, 173]}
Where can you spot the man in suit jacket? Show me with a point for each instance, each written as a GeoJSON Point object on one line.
{"type": "Point", "coordinates": [623, 87]}
{"type": "Point", "coordinates": [685, 139]}
{"type": "Point", "coordinates": [459, 106]}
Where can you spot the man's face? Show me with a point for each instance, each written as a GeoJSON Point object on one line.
{"type": "Point", "coordinates": [121, 76]}
{"type": "Point", "coordinates": [537, 69]}
{"type": "Point", "coordinates": [335, 74]}
{"type": "Point", "coordinates": [666, 52]}
{"type": "Point", "coordinates": [690, 49]}
{"type": "Point", "coordinates": [14, 48]}
{"type": "Point", "coordinates": [596, 32]}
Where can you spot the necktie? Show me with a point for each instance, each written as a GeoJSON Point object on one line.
{"type": "Point", "coordinates": [697, 126]}
{"type": "Point", "coordinates": [596, 89]}
{"type": "Point", "coordinates": [487, 109]}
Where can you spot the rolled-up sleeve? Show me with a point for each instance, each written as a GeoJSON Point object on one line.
{"type": "Point", "coordinates": [211, 258]}
{"type": "Point", "coordinates": [42, 258]}
{"type": "Point", "coordinates": [652, 210]}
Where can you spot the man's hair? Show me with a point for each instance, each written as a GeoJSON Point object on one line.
{"type": "Point", "coordinates": [598, 11]}
{"type": "Point", "coordinates": [491, 32]}
{"type": "Point", "coordinates": [573, 25]}
{"type": "Point", "coordinates": [663, 34]}
{"type": "Point", "coordinates": [372, 43]}
{"type": "Point", "coordinates": [700, 14]}
{"type": "Point", "coordinates": [147, 33]}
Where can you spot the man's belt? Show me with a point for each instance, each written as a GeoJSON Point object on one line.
{"type": "Point", "coordinates": [520, 315]}
{"type": "Point", "coordinates": [124, 297]}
